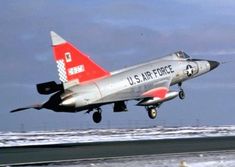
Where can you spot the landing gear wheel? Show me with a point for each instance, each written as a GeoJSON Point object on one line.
{"type": "Point", "coordinates": [181, 94]}
{"type": "Point", "coordinates": [97, 117]}
{"type": "Point", "coordinates": [152, 112]}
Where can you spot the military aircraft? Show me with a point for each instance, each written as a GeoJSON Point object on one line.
{"type": "Point", "coordinates": [87, 86]}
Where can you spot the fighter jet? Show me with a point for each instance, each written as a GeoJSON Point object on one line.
{"type": "Point", "coordinates": [86, 86]}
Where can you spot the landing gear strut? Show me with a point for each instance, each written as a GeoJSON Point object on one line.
{"type": "Point", "coordinates": [181, 92]}
{"type": "Point", "coordinates": [97, 117]}
{"type": "Point", "coordinates": [152, 112]}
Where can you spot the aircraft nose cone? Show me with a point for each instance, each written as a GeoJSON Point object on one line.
{"type": "Point", "coordinates": [213, 64]}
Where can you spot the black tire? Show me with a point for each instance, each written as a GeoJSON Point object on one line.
{"type": "Point", "coordinates": [152, 112]}
{"type": "Point", "coordinates": [181, 94]}
{"type": "Point", "coordinates": [97, 117]}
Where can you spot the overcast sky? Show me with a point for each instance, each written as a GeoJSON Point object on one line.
{"type": "Point", "coordinates": [117, 34]}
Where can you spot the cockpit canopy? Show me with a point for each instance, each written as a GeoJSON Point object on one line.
{"type": "Point", "coordinates": [182, 55]}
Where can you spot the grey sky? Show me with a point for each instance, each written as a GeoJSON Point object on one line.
{"type": "Point", "coordinates": [117, 34]}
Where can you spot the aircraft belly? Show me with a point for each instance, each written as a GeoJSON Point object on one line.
{"type": "Point", "coordinates": [86, 95]}
{"type": "Point", "coordinates": [120, 96]}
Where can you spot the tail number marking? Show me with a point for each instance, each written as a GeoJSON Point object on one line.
{"type": "Point", "coordinates": [76, 70]}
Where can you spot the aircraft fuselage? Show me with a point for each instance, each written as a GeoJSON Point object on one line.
{"type": "Point", "coordinates": [131, 83]}
{"type": "Point", "coordinates": [87, 86]}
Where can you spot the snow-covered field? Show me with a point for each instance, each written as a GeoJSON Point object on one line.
{"type": "Point", "coordinates": [97, 135]}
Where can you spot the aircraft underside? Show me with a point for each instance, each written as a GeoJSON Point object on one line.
{"type": "Point", "coordinates": [151, 108]}
{"type": "Point", "coordinates": [151, 105]}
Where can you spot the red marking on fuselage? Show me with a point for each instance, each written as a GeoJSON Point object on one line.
{"type": "Point", "coordinates": [157, 92]}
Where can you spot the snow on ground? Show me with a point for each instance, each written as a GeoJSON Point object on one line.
{"type": "Point", "coordinates": [205, 159]}
{"type": "Point", "coordinates": [98, 135]}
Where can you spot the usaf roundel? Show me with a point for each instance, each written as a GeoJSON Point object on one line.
{"type": "Point", "coordinates": [189, 70]}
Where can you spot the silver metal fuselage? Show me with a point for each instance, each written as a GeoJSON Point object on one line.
{"type": "Point", "coordinates": [131, 83]}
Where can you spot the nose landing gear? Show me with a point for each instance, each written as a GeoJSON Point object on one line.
{"type": "Point", "coordinates": [181, 92]}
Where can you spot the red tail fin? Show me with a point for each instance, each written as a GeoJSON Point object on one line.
{"type": "Point", "coordinates": [73, 64]}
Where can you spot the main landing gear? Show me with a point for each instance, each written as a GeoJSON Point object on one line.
{"type": "Point", "coordinates": [181, 92]}
{"type": "Point", "coordinates": [97, 117]}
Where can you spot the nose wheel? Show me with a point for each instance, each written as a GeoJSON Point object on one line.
{"type": "Point", "coordinates": [181, 92]}
{"type": "Point", "coordinates": [97, 117]}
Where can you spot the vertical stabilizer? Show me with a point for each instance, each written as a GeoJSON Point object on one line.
{"type": "Point", "coordinates": [72, 64]}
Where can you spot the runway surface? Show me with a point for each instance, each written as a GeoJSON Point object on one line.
{"type": "Point", "coordinates": [99, 135]}
{"type": "Point", "coordinates": [215, 159]}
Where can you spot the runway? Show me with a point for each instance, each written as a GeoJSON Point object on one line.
{"type": "Point", "coordinates": [109, 145]}
{"type": "Point", "coordinates": [203, 159]}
